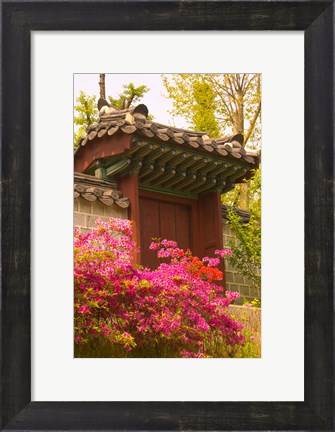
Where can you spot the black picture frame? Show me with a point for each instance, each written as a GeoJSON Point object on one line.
{"type": "Point", "coordinates": [316, 19]}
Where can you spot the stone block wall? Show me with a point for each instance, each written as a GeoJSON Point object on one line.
{"type": "Point", "coordinates": [86, 212]}
{"type": "Point", "coordinates": [234, 280]}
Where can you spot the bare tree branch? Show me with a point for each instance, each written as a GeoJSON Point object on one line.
{"type": "Point", "coordinates": [249, 82]}
{"type": "Point", "coordinates": [222, 87]}
{"type": "Point", "coordinates": [252, 123]}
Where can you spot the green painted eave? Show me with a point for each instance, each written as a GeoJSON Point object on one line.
{"type": "Point", "coordinates": [168, 169]}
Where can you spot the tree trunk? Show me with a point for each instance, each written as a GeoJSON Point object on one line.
{"type": "Point", "coordinates": [239, 128]}
{"type": "Point", "coordinates": [238, 115]}
{"type": "Point", "coordinates": [240, 104]}
{"type": "Point", "coordinates": [102, 86]}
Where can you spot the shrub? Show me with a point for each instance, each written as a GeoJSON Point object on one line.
{"type": "Point", "coordinates": [124, 310]}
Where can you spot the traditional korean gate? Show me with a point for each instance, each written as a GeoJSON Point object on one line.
{"type": "Point", "coordinates": [165, 220]}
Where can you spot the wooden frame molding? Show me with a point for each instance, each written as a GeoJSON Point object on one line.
{"type": "Point", "coordinates": [19, 19]}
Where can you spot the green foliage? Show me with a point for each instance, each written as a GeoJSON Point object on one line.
{"type": "Point", "coordinates": [232, 198]}
{"type": "Point", "coordinates": [194, 99]}
{"type": "Point", "coordinates": [86, 109]}
{"type": "Point", "coordinates": [251, 199]}
{"type": "Point", "coordinates": [256, 303]}
{"type": "Point", "coordinates": [86, 112]}
{"type": "Point", "coordinates": [246, 248]}
{"type": "Point", "coordinates": [129, 96]}
{"type": "Point", "coordinates": [233, 102]}
{"type": "Point", "coordinates": [221, 104]}
{"type": "Point", "coordinates": [203, 116]}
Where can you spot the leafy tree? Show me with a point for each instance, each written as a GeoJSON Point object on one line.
{"type": "Point", "coordinates": [203, 114]}
{"type": "Point", "coordinates": [222, 104]}
{"type": "Point", "coordinates": [246, 247]}
{"type": "Point", "coordinates": [86, 108]}
{"type": "Point", "coordinates": [86, 112]}
{"type": "Point", "coordinates": [240, 97]}
{"type": "Point", "coordinates": [234, 100]}
{"type": "Point", "coordinates": [129, 96]}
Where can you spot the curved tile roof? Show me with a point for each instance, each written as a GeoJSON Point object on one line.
{"type": "Point", "coordinates": [91, 189]}
{"type": "Point", "coordinates": [243, 214]}
{"type": "Point", "coordinates": [134, 121]}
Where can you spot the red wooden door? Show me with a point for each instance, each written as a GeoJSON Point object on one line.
{"type": "Point", "coordinates": [165, 220]}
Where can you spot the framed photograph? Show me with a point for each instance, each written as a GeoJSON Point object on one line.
{"type": "Point", "coordinates": [149, 209]}
{"type": "Point", "coordinates": [43, 385]}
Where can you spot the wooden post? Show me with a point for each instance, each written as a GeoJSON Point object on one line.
{"type": "Point", "coordinates": [102, 86]}
{"type": "Point", "coordinates": [128, 184]}
{"type": "Point", "coordinates": [210, 223]}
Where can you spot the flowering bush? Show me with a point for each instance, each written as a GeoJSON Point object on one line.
{"type": "Point", "coordinates": [123, 310]}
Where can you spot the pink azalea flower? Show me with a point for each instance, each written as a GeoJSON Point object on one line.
{"type": "Point", "coordinates": [176, 305]}
{"type": "Point", "coordinates": [83, 310]}
{"type": "Point", "coordinates": [222, 253]}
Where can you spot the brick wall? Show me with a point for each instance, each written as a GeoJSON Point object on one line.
{"type": "Point", "coordinates": [86, 212]}
{"type": "Point", "coordinates": [234, 280]}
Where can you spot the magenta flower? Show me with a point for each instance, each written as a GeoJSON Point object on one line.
{"type": "Point", "coordinates": [222, 253]}
{"type": "Point", "coordinates": [83, 310]}
{"type": "Point", "coordinates": [231, 296]}
{"type": "Point", "coordinates": [175, 307]}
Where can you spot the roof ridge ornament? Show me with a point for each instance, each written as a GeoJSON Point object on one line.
{"type": "Point", "coordinates": [106, 109]}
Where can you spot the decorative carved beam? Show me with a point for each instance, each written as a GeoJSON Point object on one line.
{"type": "Point", "coordinates": [202, 162]}
{"type": "Point", "coordinates": [135, 147]}
{"type": "Point", "coordinates": [209, 184]}
{"type": "Point", "coordinates": [190, 161]}
{"type": "Point", "coordinates": [221, 167]}
{"type": "Point", "coordinates": [157, 153]}
{"type": "Point", "coordinates": [145, 150]}
{"type": "Point", "coordinates": [136, 166]}
{"type": "Point", "coordinates": [237, 173]}
{"type": "Point", "coordinates": [230, 171]}
{"type": "Point", "coordinates": [169, 173]}
{"type": "Point", "coordinates": [228, 186]}
{"type": "Point", "coordinates": [118, 167]}
{"type": "Point", "coordinates": [220, 184]}
{"type": "Point", "coordinates": [146, 169]}
{"type": "Point", "coordinates": [210, 166]}
{"type": "Point", "coordinates": [199, 182]}
{"type": "Point", "coordinates": [157, 172]}
{"type": "Point", "coordinates": [167, 157]}
{"type": "Point", "coordinates": [180, 175]}
{"type": "Point", "coordinates": [190, 178]}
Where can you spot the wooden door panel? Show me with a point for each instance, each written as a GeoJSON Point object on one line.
{"type": "Point", "coordinates": [167, 220]}
{"type": "Point", "coordinates": [183, 226]}
{"type": "Point", "coordinates": [149, 211]}
{"type": "Point", "coordinates": [209, 220]}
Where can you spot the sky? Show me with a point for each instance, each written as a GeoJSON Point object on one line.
{"type": "Point", "coordinates": [157, 104]}
{"type": "Point", "coordinates": [155, 99]}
